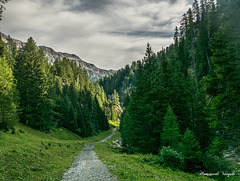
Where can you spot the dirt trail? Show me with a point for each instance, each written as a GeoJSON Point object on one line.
{"type": "Point", "coordinates": [87, 166]}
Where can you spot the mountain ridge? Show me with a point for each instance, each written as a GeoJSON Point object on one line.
{"type": "Point", "coordinates": [93, 71]}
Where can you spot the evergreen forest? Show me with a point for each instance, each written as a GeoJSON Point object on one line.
{"type": "Point", "coordinates": [42, 96]}
{"type": "Point", "coordinates": [181, 103]}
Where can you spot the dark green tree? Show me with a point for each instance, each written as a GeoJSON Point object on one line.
{"type": "Point", "coordinates": [32, 84]}
{"type": "Point", "coordinates": [191, 152]}
{"type": "Point", "coordinates": [170, 135]}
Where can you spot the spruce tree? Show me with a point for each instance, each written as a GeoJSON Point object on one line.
{"type": "Point", "coordinates": [191, 152]}
{"type": "Point", "coordinates": [32, 84]}
{"type": "Point", "coordinates": [170, 135]}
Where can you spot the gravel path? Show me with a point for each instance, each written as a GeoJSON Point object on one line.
{"type": "Point", "coordinates": [87, 166]}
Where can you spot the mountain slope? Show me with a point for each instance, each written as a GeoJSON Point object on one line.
{"type": "Point", "coordinates": [94, 72]}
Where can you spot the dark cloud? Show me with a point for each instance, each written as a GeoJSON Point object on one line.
{"type": "Point", "coordinates": [173, 1]}
{"type": "Point", "coordinates": [91, 5]}
{"type": "Point", "coordinates": [152, 34]}
{"type": "Point", "coordinates": [157, 1]}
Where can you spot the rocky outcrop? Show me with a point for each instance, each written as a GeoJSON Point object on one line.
{"type": "Point", "coordinates": [94, 72]}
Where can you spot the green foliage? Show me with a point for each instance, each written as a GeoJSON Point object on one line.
{"type": "Point", "coordinates": [115, 110]}
{"type": "Point", "coordinates": [138, 166]}
{"type": "Point", "coordinates": [32, 84]}
{"type": "Point", "coordinates": [49, 95]}
{"type": "Point", "coordinates": [151, 159]}
{"type": "Point", "coordinates": [217, 146]}
{"type": "Point", "coordinates": [213, 164]}
{"type": "Point", "coordinates": [30, 154]}
{"type": "Point", "coordinates": [222, 86]}
{"type": "Point", "coordinates": [171, 158]}
{"type": "Point", "coordinates": [115, 100]}
{"type": "Point", "coordinates": [8, 100]}
{"type": "Point", "coordinates": [191, 152]}
{"type": "Point", "coordinates": [79, 103]}
{"type": "Point", "coordinates": [126, 130]}
{"type": "Point", "coordinates": [123, 81]}
{"type": "Point", "coordinates": [170, 136]}
{"type": "Point", "coordinates": [198, 77]}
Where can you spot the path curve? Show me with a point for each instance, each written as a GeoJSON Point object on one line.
{"type": "Point", "coordinates": [87, 166]}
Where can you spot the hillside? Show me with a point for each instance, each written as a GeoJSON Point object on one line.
{"type": "Point", "coordinates": [94, 72]}
{"type": "Point", "coordinates": [29, 154]}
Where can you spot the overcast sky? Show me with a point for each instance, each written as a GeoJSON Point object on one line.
{"type": "Point", "coordinates": [108, 33]}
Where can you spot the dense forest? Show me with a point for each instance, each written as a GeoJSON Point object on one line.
{"type": "Point", "coordinates": [42, 95]}
{"type": "Point", "coordinates": [183, 101]}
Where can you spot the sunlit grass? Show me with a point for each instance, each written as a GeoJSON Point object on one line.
{"type": "Point", "coordinates": [134, 167]}
{"type": "Point", "coordinates": [33, 155]}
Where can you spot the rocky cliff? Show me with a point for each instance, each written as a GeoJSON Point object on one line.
{"type": "Point", "coordinates": [94, 72]}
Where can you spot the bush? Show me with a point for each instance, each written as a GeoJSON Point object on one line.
{"type": "Point", "coordinates": [213, 164]}
{"type": "Point", "coordinates": [171, 158]}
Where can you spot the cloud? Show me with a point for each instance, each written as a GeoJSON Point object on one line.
{"type": "Point", "coordinates": [90, 5]}
{"type": "Point", "coordinates": [153, 34]}
{"type": "Point", "coordinates": [108, 33]}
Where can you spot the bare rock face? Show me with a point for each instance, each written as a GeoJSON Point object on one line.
{"type": "Point", "coordinates": [94, 72]}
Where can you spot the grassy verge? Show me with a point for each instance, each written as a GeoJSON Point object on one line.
{"type": "Point", "coordinates": [137, 167]}
{"type": "Point", "coordinates": [33, 155]}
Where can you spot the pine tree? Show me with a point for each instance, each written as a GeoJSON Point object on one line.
{"type": "Point", "coordinates": [32, 85]}
{"type": "Point", "coordinates": [72, 122]}
{"type": "Point", "coordinates": [170, 135]}
{"type": "Point", "coordinates": [126, 130]}
{"type": "Point", "coordinates": [223, 86]}
{"type": "Point", "coordinates": [196, 11]}
{"type": "Point", "coordinates": [176, 37]}
{"type": "Point", "coordinates": [115, 99]}
{"type": "Point", "coordinates": [191, 152]}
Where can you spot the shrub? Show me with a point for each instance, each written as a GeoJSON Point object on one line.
{"type": "Point", "coordinates": [171, 158]}
{"type": "Point", "coordinates": [213, 164]}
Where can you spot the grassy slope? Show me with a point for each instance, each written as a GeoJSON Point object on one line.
{"type": "Point", "coordinates": [33, 155]}
{"type": "Point", "coordinates": [133, 167]}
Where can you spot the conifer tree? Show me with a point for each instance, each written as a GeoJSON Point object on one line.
{"type": "Point", "coordinates": [115, 99]}
{"type": "Point", "coordinates": [32, 85]}
{"type": "Point", "coordinates": [191, 152]}
{"type": "Point", "coordinates": [170, 135]}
